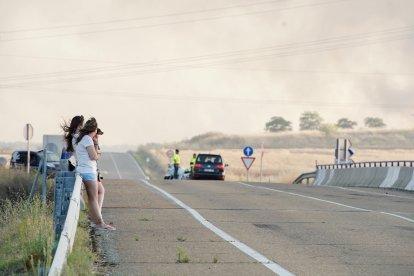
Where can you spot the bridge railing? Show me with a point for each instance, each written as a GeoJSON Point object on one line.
{"type": "Point", "coordinates": [305, 176]}
{"type": "Point", "coordinates": [371, 164]}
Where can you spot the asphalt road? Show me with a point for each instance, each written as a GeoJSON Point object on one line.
{"type": "Point", "coordinates": [235, 228]}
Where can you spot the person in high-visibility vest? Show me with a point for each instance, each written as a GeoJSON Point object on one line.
{"type": "Point", "coordinates": [176, 162]}
{"type": "Point", "coordinates": [193, 161]}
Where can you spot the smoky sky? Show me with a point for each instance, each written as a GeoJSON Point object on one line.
{"type": "Point", "coordinates": [161, 71]}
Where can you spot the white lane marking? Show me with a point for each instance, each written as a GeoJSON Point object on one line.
{"type": "Point", "coordinates": [139, 167]}
{"type": "Point", "coordinates": [368, 192]}
{"type": "Point", "coordinates": [397, 216]}
{"type": "Point", "coordinates": [327, 201]}
{"type": "Point", "coordinates": [116, 166]}
{"type": "Point", "coordinates": [276, 268]}
{"type": "Point", "coordinates": [309, 197]}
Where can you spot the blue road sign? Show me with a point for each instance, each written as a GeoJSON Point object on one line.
{"type": "Point", "coordinates": [248, 151]}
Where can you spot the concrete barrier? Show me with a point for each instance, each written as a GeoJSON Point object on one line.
{"type": "Point", "coordinates": [410, 185]}
{"type": "Point", "coordinates": [377, 177]}
{"type": "Point", "coordinates": [320, 176]}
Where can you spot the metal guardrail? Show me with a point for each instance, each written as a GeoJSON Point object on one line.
{"type": "Point", "coordinates": [304, 176]}
{"type": "Point", "coordinates": [67, 237]}
{"type": "Point", "coordinates": [64, 184]}
{"type": "Point", "coordinates": [374, 164]}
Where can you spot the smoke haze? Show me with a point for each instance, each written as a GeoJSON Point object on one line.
{"type": "Point", "coordinates": [158, 71]}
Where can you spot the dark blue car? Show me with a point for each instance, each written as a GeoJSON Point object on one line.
{"type": "Point", "coordinates": [19, 160]}
{"type": "Point", "coordinates": [209, 166]}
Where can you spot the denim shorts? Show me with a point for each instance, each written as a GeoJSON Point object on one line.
{"type": "Point", "coordinates": [89, 176]}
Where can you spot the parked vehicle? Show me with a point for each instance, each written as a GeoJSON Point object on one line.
{"type": "Point", "coordinates": [182, 173]}
{"type": "Point", "coordinates": [209, 166]}
{"type": "Point", "coordinates": [19, 160]}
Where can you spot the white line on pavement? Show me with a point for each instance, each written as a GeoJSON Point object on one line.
{"type": "Point", "coordinates": [116, 166]}
{"type": "Point", "coordinates": [276, 268]}
{"type": "Point", "coordinates": [327, 201]}
{"type": "Point", "coordinates": [309, 197]}
{"type": "Point", "coordinates": [138, 166]}
{"type": "Point", "coordinates": [368, 192]}
{"type": "Point", "coordinates": [397, 216]}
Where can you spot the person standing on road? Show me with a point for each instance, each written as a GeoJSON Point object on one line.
{"type": "Point", "coordinates": [192, 162]}
{"type": "Point", "coordinates": [176, 162]}
{"type": "Point", "coordinates": [87, 155]}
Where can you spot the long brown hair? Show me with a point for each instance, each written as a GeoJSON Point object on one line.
{"type": "Point", "coordinates": [70, 130]}
{"type": "Point", "coordinates": [90, 126]}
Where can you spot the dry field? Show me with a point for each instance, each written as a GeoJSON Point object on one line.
{"type": "Point", "coordinates": [282, 165]}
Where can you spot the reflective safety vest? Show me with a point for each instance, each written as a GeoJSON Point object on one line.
{"type": "Point", "coordinates": [193, 161]}
{"type": "Point", "coordinates": [176, 159]}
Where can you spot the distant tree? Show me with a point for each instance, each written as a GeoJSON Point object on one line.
{"type": "Point", "coordinates": [328, 129]}
{"type": "Point", "coordinates": [373, 122]}
{"type": "Point", "coordinates": [310, 121]}
{"type": "Point", "coordinates": [346, 123]}
{"type": "Point", "coordinates": [278, 124]}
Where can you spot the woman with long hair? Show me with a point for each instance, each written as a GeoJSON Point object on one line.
{"type": "Point", "coordinates": [71, 131]}
{"type": "Point", "coordinates": [87, 155]}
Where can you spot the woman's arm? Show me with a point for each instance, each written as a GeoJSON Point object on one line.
{"type": "Point", "coordinates": [93, 154]}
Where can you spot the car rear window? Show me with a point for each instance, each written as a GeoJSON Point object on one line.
{"type": "Point", "coordinates": [21, 157]}
{"type": "Point", "coordinates": [214, 159]}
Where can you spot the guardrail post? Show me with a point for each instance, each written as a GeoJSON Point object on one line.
{"type": "Point", "coordinates": [35, 181]}
{"type": "Point", "coordinates": [64, 184]}
{"type": "Point", "coordinates": [44, 176]}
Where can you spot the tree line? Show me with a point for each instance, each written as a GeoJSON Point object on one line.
{"type": "Point", "coordinates": [311, 120]}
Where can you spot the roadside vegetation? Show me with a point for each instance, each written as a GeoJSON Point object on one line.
{"type": "Point", "coordinates": [149, 162]}
{"type": "Point", "coordinates": [26, 230]}
{"type": "Point", "coordinates": [26, 237]}
{"type": "Point", "coordinates": [14, 184]}
{"type": "Point", "coordinates": [81, 260]}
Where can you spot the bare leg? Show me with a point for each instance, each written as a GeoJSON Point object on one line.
{"type": "Point", "coordinates": [94, 210]}
{"type": "Point", "coordinates": [101, 195]}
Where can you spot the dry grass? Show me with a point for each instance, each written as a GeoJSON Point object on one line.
{"type": "Point", "coordinates": [26, 237]}
{"type": "Point", "coordinates": [281, 165]}
{"type": "Point", "coordinates": [14, 184]}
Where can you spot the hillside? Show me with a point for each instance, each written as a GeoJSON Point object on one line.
{"type": "Point", "coordinates": [361, 139]}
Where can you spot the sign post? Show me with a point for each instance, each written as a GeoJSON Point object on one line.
{"type": "Point", "coordinates": [261, 162]}
{"type": "Point", "coordinates": [247, 159]}
{"type": "Point", "coordinates": [169, 154]}
{"type": "Point", "coordinates": [28, 134]}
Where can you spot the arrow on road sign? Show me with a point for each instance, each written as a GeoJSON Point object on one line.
{"type": "Point", "coordinates": [248, 161]}
{"type": "Point", "coordinates": [248, 150]}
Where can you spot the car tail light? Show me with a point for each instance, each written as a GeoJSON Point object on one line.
{"type": "Point", "coordinates": [220, 167]}
{"type": "Point", "coordinates": [198, 166]}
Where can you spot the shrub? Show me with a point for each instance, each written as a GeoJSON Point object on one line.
{"type": "Point", "coordinates": [26, 237]}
